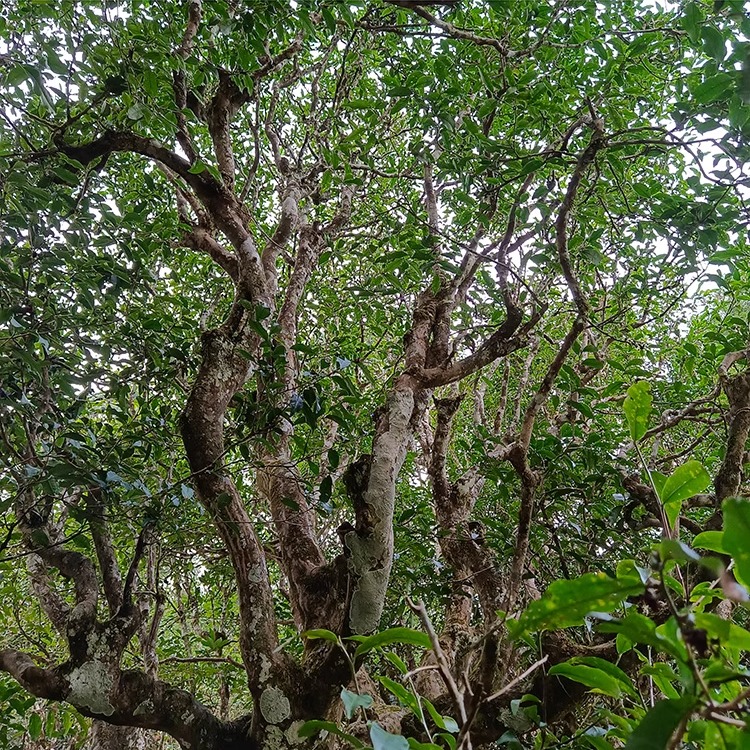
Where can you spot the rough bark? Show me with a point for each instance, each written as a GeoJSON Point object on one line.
{"type": "Point", "coordinates": [104, 736]}
{"type": "Point", "coordinates": [729, 476]}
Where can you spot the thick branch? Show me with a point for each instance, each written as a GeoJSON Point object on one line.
{"type": "Point", "coordinates": [371, 545]}
{"type": "Point", "coordinates": [529, 479]}
{"type": "Point", "coordinates": [224, 370]}
{"type": "Point", "coordinates": [191, 29]}
{"type": "Point", "coordinates": [288, 222]}
{"type": "Point", "coordinates": [105, 551]}
{"type": "Point", "coordinates": [221, 111]}
{"type": "Point", "coordinates": [220, 202]}
{"type": "Point", "coordinates": [540, 397]}
{"type": "Point", "coordinates": [727, 481]}
{"type": "Point", "coordinates": [43, 683]}
{"type": "Point", "coordinates": [596, 143]}
{"type": "Point", "coordinates": [202, 240]}
{"type": "Point", "coordinates": [54, 606]}
{"type": "Point", "coordinates": [129, 698]}
{"type": "Point", "coordinates": [461, 540]}
{"type": "Point", "coordinates": [78, 568]}
{"type": "Point", "coordinates": [499, 344]}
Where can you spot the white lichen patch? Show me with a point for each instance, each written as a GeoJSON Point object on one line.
{"type": "Point", "coordinates": [255, 573]}
{"type": "Point", "coordinates": [265, 668]}
{"type": "Point", "coordinates": [274, 705]}
{"type": "Point", "coordinates": [90, 686]}
{"type": "Point", "coordinates": [292, 734]}
{"type": "Point", "coordinates": [274, 739]}
{"type": "Point", "coordinates": [367, 601]}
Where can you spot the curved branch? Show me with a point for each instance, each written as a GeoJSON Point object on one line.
{"type": "Point", "coordinates": [43, 683]}
{"type": "Point", "coordinates": [105, 551]}
{"type": "Point", "coordinates": [540, 397]}
{"type": "Point", "coordinates": [218, 200]}
{"type": "Point", "coordinates": [499, 344]}
{"type": "Point", "coordinates": [128, 698]}
{"type": "Point", "coordinates": [596, 143]}
{"type": "Point", "coordinates": [200, 239]}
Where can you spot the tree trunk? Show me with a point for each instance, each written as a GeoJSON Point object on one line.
{"type": "Point", "coordinates": [105, 736]}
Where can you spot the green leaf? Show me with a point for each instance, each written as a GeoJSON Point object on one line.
{"type": "Point", "coordinates": [726, 631]}
{"type": "Point", "coordinates": [674, 549]}
{"type": "Point", "coordinates": [38, 79]}
{"type": "Point", "coordinates": [382, 740]}
{"type": "Point", "coordinates": [657, 727]}
{"type": "Point", "coordinates": [692, 20]}
{"type": "Point", "coordinates": [135, 112]}
{"type": "Point", "coordinates": [612, 670]}
{"type": "Point", "coordinates": [638, 628]}
{"type": "Point", "coordinates": [592, 677]}
{"type": "Point", "coordinates": [66, 175]}
{"type": "Point", "coordinates": [686, 481]}
{"type": "Point", "coordinates": [637, 407]}
{"type": "Point", "coordinates": [353, 701]}
{"type": "Point", "coordinates": [397, 662]}
{"type": "Point", "coordinates": [417, 745]}
{"type": "Point", "coordinates": [663, 676]}
{"type": "Point", "coordinates": [326, 635]}
{"type": "Point", "coordinates": [658, 479]}
{"type": "Point", "coordinates": [35, 726]}
{"type": "Point", "coordinates": [743, 90]}
{"type": "Point", "coordinates": [445, 723]}
{"type": "Point", "coordinates": [405, 696]}
{"type": "Point", "coordinates": [315, 726]}
{"type": "Point", "coordinates": [711, 540]}
{"type": "Point", "coordinates": [566, 602]}
{"type": "Point", "coordinates": [736, 536]}
{"type": "Point", "coordinates": [596, 741]}
{"type": "Point", "coordinates": [393, 635]}
{"type": "Point", "coordinates": [714, 44]}
{"type": "Point", "coordinates": [714, 88]}
{"type": "Point", "coordinates": [629, 570]}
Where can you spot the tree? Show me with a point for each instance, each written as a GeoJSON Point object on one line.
{"type": "Point", "coordinates": [307, 305]}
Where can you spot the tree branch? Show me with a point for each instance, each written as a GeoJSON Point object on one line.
{"type": "Point", "coordinates": [105, 551]}
{"type": "Point", "coordinates": [220, 202]}
{"type": "Point", "coordinates": [451, 30]}
{"type": "Point", "coordinates": [596, 143]}
{"type": "Point", "coordinates": [43, 683]}
{"type": "Point", "coordinates": [499, 344]}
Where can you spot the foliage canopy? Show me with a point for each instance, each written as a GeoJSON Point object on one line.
{"type": "Point", "coordinates": [374, 369]}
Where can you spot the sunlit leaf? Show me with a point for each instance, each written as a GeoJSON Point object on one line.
{"type": "Point", "coordinates": [686, 480]}
{"type": "Point", "coordinates": [736, 538]}
{"type": "Point", "coordinates": [656, 728]}
{"type": "Point", "coordinates": [637, 407]}
{"type": "Point", "coordinates": [710, 540]}
{"type": "Point", "coordinates": [382, 740]}
{"type": "Point", "coordinates": [394, 635]}
{"type": "Point", "coordinates": [566, 602]}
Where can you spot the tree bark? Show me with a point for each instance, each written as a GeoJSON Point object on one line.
{"type": "Point", "coordinates": [105, 736]}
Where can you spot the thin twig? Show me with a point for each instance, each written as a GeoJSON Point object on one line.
{"type": "Point", "coordinates": [421, 611]}
{"type": "Point", "coordinates": [516, 680]}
